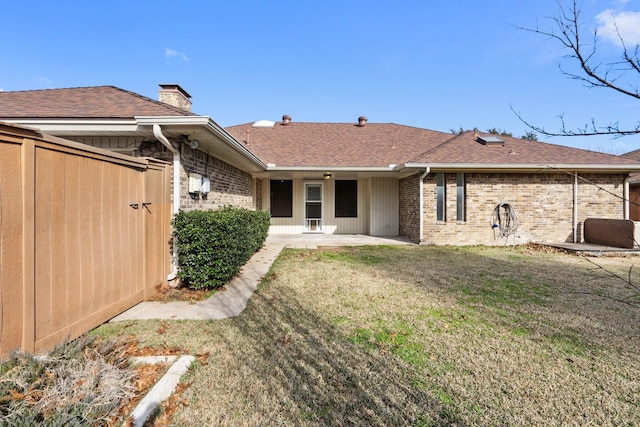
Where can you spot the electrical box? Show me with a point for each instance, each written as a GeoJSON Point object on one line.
{"type": "Point", "coordinates": [195, 182]}
{"type": "Point", "coordinates": [206, 186]}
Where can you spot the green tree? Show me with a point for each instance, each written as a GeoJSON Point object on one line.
{"type": "Point", "coordinates": [495, 131]}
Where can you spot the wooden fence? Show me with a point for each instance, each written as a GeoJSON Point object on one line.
{"type": "Point", "coordinates": [84, 235]}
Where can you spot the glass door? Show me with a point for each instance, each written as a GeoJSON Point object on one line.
{"type": "Point", "coordinates": [313, 207]}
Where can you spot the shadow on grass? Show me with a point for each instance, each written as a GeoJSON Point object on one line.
{"type": "Point", "coordinates": [320, 378]}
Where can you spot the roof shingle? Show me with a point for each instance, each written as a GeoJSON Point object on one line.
{"type": "Point", "coordinates": [337, 144]}
{"type": "Point", "coordinates": [104, 102]}
{"type": "Point", "coordinates": [300, 144]}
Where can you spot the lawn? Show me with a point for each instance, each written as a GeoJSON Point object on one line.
{"type": "Point", "coordinates": [417, 336]}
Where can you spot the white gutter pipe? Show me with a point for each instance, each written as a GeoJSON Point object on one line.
{"type": "Point", "coordinates": [626, 197]}
{"type": "Point", "coordinates": [575, 207]}
{"type": "Point", "coordinates": [157, 132]}
{"type": "Point", "coordinates": [422, 177]}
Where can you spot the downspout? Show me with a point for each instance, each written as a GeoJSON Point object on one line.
{"type": "Point", "coordinates": [157, 132]}
{"type": "Point", "coordinates": [422, 177]}
{"type": "Point", "coordinates": [575, 207]}
{"type": "Point", "coordinates": [626, 196]}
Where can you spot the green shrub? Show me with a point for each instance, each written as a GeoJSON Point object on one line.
{"type": "Point", "coordinates": [214, 245]}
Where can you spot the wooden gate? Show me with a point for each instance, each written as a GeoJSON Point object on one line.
{"type": "Point", "coordinates": [88, 231]}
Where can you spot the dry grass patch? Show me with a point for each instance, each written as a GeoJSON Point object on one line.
{"type": "Point", "coordinates": [418, 336]}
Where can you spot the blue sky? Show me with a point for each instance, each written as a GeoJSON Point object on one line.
{"type": "Point", "coordinates": [437, 65]}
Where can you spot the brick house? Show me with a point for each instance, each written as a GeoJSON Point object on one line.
{"type": "Point", "coordinates": [634, 187]}
{"type": "Point", "coordinates": [344, 178]}
{"type": "Point", "coordinates": [126, 122]}
{"type": "Point", "coordinates": [431, 187]}
{"type": "Point", "coordinates": [210, 169]}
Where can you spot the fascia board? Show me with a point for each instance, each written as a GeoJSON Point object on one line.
{"type": "Point", "coordinates": [172, 120]}
{"type": "Point", "coordinates": [526, 167]}
{"type": "Point", "coordinates": [54, 126]}
{"type": "Point", "coordinates": [234, 143]}
{"type": "Point", "coordinates": [272, 167]}
{"type": "Point", "coordinates": [207, 123]}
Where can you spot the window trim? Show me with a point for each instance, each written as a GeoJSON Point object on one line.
{"type": "Point", "coordinates": [290, 201]}
{"type": "Point", "coordinates": [352, 210]}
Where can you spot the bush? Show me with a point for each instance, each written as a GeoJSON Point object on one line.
{"type": "Point", "coordinates": [214, 245]}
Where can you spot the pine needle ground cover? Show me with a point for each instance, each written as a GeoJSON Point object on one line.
{"type": "Point", "coordinates": [418, 336]}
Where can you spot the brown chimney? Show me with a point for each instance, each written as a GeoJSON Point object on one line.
{"type": "Point", "coordinates": [362, 121]}
{"type": "Point", "coordinates": [286, 120]}
{"type": "Point", "coordinates": [173, 94]}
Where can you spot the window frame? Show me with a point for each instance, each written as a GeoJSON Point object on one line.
{"type": "Point", "coordinates": [283, 204]}
{"type": "Point", "coordinates": [460, 197]}
{"type": "Point", "coordinates": [441, 197]}
{"type": "Point", "coordinates": [345, 198]}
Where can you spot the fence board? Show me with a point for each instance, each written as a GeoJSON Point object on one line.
{"type": "Point", "coordinates": [73, 253]}
{"type": "Point", "coordinates": [11, 248]}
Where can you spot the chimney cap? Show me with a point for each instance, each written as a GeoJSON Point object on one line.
{"type": "Point", "coordinates": [176, 87]}
{"type": "Point", "coordinates": [286, 120]}
{"type": "Point", "coordinates": [362, 120]}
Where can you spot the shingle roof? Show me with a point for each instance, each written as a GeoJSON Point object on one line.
{"type": "Point", "coordinates": [302, 144]}
{"type": "Point", "coordinates": [635, 155]}
{"type": "Point", "coordinates": [337, 144]}
{"type": "Point", "coordinates": [466, 148]}
{"type": "Point", "coordinates": [105, 102]}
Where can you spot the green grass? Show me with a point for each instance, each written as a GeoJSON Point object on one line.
{"type": "Point", "coordinates": [416, 336]}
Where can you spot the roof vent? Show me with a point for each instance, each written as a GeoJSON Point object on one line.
{"type": "Point", "coordinates": [286, 120]}
{"type": "Point", "coordinates": [264, 124]}
{"type": "Point", "coordinates": [362, 121]}
{"type": "Point", "coordinates": [490, 141]}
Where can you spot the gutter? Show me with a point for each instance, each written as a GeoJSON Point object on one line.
{"type": "Point", "coordinates": [422, 177]}
{"type": "Point", "coordinates": [273, 167]}
{"type": "Point", "coordinates": [575, 207]}
{"type": "Point", "coordinates": [157, 132]}
{"type": "Point", "coordinates": [234, 143]}
{"type": "Point", "coordinates": [626, 196]}
{"type": "Point", "coordinates": [209, 124]}
{"type": "Point", "coordinates": [525, 166]}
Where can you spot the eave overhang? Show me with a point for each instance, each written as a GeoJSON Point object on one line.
{"type": "Point", "coordinates": [522, 167]}
{"type": "Point", "coordinates": [80, 127]}
{"type": "Point", "coordinates": [213, 137]}
{"type": "Point", "coordinates": [317, 172]}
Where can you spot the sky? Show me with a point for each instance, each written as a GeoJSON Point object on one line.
{"type": "Point", "coordinates": [430, 64]}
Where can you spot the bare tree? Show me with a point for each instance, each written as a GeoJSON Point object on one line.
{"type": "Point", "coordinates": [620, 75]}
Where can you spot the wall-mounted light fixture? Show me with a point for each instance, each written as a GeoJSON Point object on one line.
{"type": "Point", "coordinates": [327, 175]}
{"type": "Point", "coordinates": [206, 188]}
{"type": "Point", "coordinates": [194, 144]}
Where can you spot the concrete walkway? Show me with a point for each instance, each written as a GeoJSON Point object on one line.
{"type": "Point", "coordinates": [233, 301]}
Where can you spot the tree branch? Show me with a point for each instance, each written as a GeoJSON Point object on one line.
{"type": "Point", "coordinates": [593, 72]}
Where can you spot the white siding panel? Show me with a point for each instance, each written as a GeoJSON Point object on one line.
{"type": "Point", "coordinates": [384, 207]}
{"type": "Point", "coordinates": [331, 224]}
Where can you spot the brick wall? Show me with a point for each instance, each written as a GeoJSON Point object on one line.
{"type": "Point", "coordinates": [409, 189]}
{"type": "Point", "coordinates": [259, 194]}
{"type": "Point", "coordinates": [543, 203]}
{"type": "Point", "coordinates": [230, 186]}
